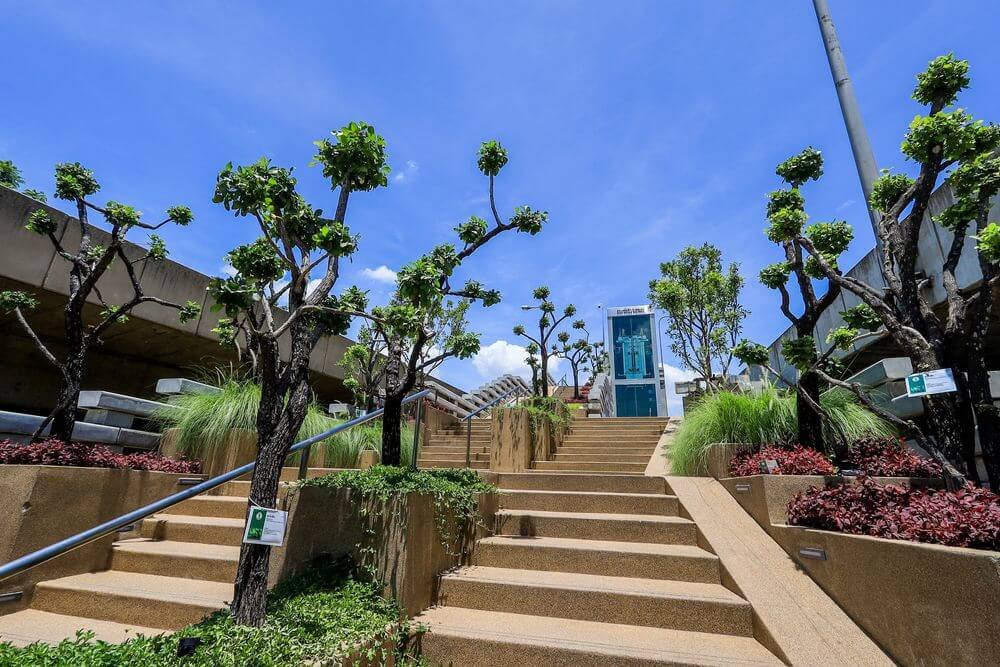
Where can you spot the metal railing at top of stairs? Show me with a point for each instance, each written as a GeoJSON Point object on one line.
{"type": "Point", "coordinates": [40, 556]}
{"type": "Point", "coordinates": [468, 420]}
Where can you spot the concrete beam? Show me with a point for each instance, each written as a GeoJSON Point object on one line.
{"type": "Point", "coordinates": [173, 386]}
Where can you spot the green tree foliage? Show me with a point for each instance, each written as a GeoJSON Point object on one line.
{"type": "Point", "coordinates": [297, 242]}
{"type": "Point", "coordinates": [945, 142]}
{"type": "Point", "coordinates": [704, 317]}
{"type": "Point", "coordinates": [548, 324]}
{"type": "Point", "coordinates": [86, 267]}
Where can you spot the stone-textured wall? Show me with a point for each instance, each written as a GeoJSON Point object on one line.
{"type": "Point", "coordinates": [404, 546]}
{"type": "Point", "coordinates": [45, 504]}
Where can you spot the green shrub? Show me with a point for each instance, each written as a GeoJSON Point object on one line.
{"type": "Point", "coordinates": [761, 418]}
{"type": "Point", "coordinates": [309, 617]}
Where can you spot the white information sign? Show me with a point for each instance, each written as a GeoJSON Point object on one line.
{"type": "Point", "coordinates": [940, 381]}
{"type": "Point", "coordinates": [265, 526]}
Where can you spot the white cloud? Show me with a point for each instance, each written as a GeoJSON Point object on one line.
{"type": "Point", "coordinates": [846, 205]}
{"type": "Point", "coordinates": [501, 357]}
{"type": "Point", "coordinates": [382, 274]}
{"type": "Point", "coordinates": [672, 374]}
{"type": "Point", "coordinates": [228, 270]}
{"type": "Point", "coordinates": [406, 172]}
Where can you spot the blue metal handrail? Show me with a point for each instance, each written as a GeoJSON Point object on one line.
{"type": "Point", "coordinates": [47, 553]}
{"type": "Point", "coordinates": [468, 422]}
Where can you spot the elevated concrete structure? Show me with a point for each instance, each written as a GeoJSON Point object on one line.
{"type": "Point", "coordinates": [153, 344]}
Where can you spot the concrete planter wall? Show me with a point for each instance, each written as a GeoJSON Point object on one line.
{"type": "Point", "coordinates": [947, 595]}
{"type": "Point", "coordinates": [515, 443]}
{"type": "Point", "coordinates": [405, 549]}
{"type": "Point", "coordinates": [240, 448]}
{"type": "Point", "coordinates": [45, 504]}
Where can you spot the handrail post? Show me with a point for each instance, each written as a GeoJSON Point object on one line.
{"type": "Point", "coordinates": [468, 442]}
{"type": "Point", "coordinates": [304, 463]}
{"type": "Point", "coordinates": [416, 433]}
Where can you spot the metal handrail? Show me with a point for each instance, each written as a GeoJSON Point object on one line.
{"type": "Point", "coordinates": [468, 421]}
{"type": "Point", "coordinates": [47, 553]}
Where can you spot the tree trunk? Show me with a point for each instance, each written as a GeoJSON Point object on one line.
{"type": "Point", "coordinates": [392, 451]}
{"type": "Point", "coordinates": [63, 415]}
{"type": "Point", "coordinates": [809, 423]}
{"type": "Point", "coordinates": [545, 373]}
{"type": "Point", "coordinates": [945, 426]}
{"type": "Point", "coordinates": [576, 383]}
{"type": "Point", "coordinates": [278, 421]}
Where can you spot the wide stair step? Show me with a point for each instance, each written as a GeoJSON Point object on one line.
{"type": "Point", "coordinates": [439, 463]}
{"type": "Point", "coordinates": [231, 507]}
{"type": "Point", "coordinates": [601, 457]}
{"type": "Point", "coordinates": [616, 527]}
{"type": "Point", "coordinates": [679, 605]}
{"type": "Point", "coordinates": [33, 625]}
{"type": "Point", "coordinates": [680, 562]}
{"type": "Point", "coordinates": [560, 481]}
{"type": "Point", "coordinates": [210, 562]}
{"type": "Point", "coordinates": [476, 638]}
{"type": "Point", "coordinates": [597, 466]}
{"type": "Point", "coordinates": [133, 598]}
{"type": "Point", "coordinates": [600, 502]}
{"type": "Point", "coordinates": [184, 528]}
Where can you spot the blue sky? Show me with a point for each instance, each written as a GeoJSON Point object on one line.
{"type": "Point", "coordinates": [642, 127]}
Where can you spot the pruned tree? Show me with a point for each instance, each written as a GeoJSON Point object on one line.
{"type": "Point", "coordinates": [547, 324]}
{"type": "Point", "coordinates": [786, 208]}
{"type": "Point", "coordinates": [598, 359]}
{"type": "Point", "coordinates": [704, 317]}
{"type": "Point", "coordinates": [576, 353]}
{"type": "Point", "coordinates": [296, 242]}
{"type": "Point", "coordinates": [364, 365]}
{"type": "Point", "coordinates": [413, 317]}
{"type": "Point", "coordinates": [533, 361]}
{"type": "Point", "coordinates": [87, 265]}
{"type": "Point", "coordinates": [944, 142]}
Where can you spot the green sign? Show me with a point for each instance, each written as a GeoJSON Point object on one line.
{"type": "Point", "coordinates": [265, 526]}
{"type": "Point", "coordinates": [915, 385]}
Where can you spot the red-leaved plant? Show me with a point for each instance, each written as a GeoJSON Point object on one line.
{"type": "Point", "coordinates": [966, 517]}
{"type": "Point", "coordinates": [797, 460]}
{"type": "Point", "coordinates": [889, 457]}
{"type": "Point", "coordinates": [53, 452]}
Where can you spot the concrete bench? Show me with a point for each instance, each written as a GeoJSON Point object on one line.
{"type": "Point", "coordinates": [18, 426]}
{"type": "Point", "coordinates": [110, 409]}
{"type": "Point", "coordinates": [174, 386]}
{"type": "Point", "coordinates": [341, 410]}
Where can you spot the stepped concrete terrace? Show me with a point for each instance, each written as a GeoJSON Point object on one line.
{"type": "Point", "coordinates": [595, 563]}
{"type": "Point", "coordinates": [176, 569]}
{"type": "Point", "coordinates": [445, 448]}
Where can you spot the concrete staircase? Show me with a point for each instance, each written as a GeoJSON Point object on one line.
{"type": "Point", "coordinates": [178, 570]}
{"type": "Point", "coordinates": [445, 448]}
{"type": "Point", "coordinates": [591, 565]}
{"type": "Point", "coordinates": [607, 445]}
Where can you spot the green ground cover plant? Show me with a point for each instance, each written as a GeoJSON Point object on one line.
{"type": "Point", "coordinates": [761, 418]}
{"type": "Point", "coordinates": [312, 616]}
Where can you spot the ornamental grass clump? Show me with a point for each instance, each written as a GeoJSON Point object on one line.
{"type": "Point", "coordinates": [759, 418]}
{"type": "Point", "coordinates": [797, 460]}
{"type": "Point", "coordinates": [965, 517]}
{"type": "Point", "coordinates": [205, 422]}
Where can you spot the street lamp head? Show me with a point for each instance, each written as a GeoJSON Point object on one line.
{"type": "Point", "coordinates": [527, 307]}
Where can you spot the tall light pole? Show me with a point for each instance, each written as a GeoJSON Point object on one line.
{"type": "Point", "coordinates": [864, 158]}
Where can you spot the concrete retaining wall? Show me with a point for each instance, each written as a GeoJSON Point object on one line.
{"type": "Point", "coordinates": [924, 604]}
{"type": "Point", "coordinates": [45, 504]}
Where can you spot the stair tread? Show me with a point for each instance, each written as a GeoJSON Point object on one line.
{"type": "Point", "coordinates": [650, 548]}
{"type": "Point", "coordinates": [603, 494]}
{"type": "Point", "coordinates": [173, 548]}
{"type": "Point", "coordinates": [599, 583]}
{"type": "Point", "coordinates": [32, 625]}
{"type": "Point", "coordinates": [215, 521]}
{"type": "Point", "coordinates": [606, 639]}
{"type": "Point", "coordinates": [598, 516]}
{"type": "Point", "coordinates": [209, 594]}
